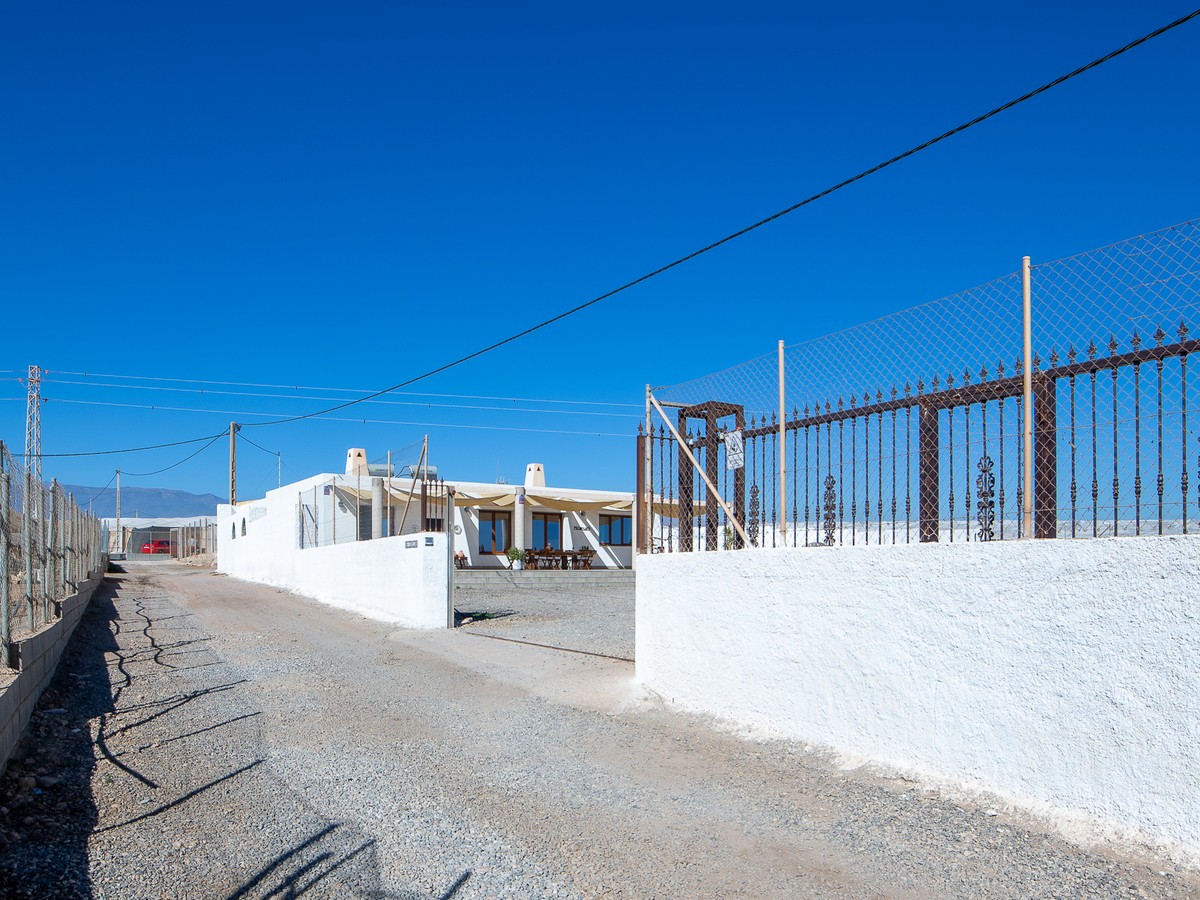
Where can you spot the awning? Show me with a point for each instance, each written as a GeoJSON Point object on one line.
{"type": "Point", "coordinates": [463, 499]}
{"type": "Point", "coordinates": [572, 504]}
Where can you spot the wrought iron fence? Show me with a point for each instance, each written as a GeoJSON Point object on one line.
{"type": "Point", "coordinates": [47, 546]}
{"type": "Point", "coordinates": [347, 508]}
{"type": "Point", "coordinates": [913, 427]}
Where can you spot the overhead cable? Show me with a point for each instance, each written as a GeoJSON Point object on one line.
{"type": "Point", "coordinates": [1029, 95]}
{"type": "Point", "coordinates": [175, 465]}
{"type": "Point", "coordinates": [150, 387]}
{"type": "Point", "coordinates": [759, 224]}
{"type": "Point", "coordinates": [342, 390]}
{"type": "Point", "coordinates": [243, 412]}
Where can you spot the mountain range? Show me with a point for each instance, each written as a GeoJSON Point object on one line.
{"type": "Point", "coordinates": [145, 502]}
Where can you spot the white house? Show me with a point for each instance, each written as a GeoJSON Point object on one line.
{"type": "Point", "coordinates": [367, 503]}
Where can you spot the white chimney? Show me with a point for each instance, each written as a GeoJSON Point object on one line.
{"type": "Point", "coordinates": [356, 462]}
{"type": "Point", "coordinates": [535, 475]}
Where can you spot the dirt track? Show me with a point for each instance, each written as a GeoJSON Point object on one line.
{"type": "Point", "coordinates": [237, 741]}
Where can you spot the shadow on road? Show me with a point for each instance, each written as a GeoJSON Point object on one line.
{"type": "Point", "coordinates": [47, 790]}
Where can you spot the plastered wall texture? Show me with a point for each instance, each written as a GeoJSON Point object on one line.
{"type": "Point", "coordinates": [385, 579]}
{"type": "Point", "coordinates": [1060, 674]}
{"type": "Point", "coordinates": [37, 659]}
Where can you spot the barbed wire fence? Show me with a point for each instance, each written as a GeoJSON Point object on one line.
{"type": "Point", "coordinates": [930, 425]}
{"type": "Point", "coordinates": [48, 544]}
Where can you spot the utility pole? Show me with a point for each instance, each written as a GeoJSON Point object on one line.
{"type": "Point", "coordinates": [120, 533]}
{"type": "Point", "coordinates": [233, 429]}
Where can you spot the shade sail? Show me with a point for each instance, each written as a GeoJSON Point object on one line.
{"type": "Point", "coordinates": [464, 499]}
{"type": "Point", "coordinates": [572, 504]}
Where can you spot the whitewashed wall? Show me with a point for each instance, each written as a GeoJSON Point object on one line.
{"type": "Point", "coordinates": [1055, 672]}
{"type": "Point", "coordinates": [385, 579]}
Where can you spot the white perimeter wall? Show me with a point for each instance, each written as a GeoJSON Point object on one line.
{"type": "Point", "coordinates": [385, 579]}
{"type": "Point", "coordinates": [1055, 672]}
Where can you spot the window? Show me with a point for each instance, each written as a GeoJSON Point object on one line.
{"type": "Point", "coordinates": [616, 530]}
{"type": "Point", "coordinates": [547, 531]}
{"type": "Point", "coordinates": [494, 529]}
{"type": "Point", "coordinates": [233, 531]}
{"type": "Point", "coordinates": [243, 527]}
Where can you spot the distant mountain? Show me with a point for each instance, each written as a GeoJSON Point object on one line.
{"type": "Point", "coordinates": [145, 502]}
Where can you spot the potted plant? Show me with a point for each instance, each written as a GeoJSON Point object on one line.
{"type": "Point", "coordinates": [516, 558]}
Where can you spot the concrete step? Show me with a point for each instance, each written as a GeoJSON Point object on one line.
{"type": "Point", "coordinates": [543, 578]}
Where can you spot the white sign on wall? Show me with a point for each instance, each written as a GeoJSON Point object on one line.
{"type": "Point", "coordinates": [735, 452]}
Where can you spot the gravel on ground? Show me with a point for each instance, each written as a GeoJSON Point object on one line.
{"type": "Point", "coordinates": [210, 738]}
{"type": "Point", "coordinates": [590, 619]}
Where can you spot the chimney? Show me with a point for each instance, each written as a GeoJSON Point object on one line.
{"type": "Point", "coordinates": [356, 462]}
{"type": "Point", "coordinates": [535, 475]}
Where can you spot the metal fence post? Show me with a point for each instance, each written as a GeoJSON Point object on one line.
{"type": "Point", "coordinates": [68, 543]}
{"type": "Point", "coordinates": [687, 485]}
{"type": "Point", "coordinates": [5, 542]}
{"type": "Point", "coordinates": [52, 540]}
{"type": "Point", "coordinates": [928, 476]}
{"type": "Point", "coordinates": [27, 541]}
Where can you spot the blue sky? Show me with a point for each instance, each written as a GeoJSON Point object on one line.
{"type": "Point", "coordinates": [344, 197]}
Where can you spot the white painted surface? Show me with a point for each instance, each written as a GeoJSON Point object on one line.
{"type": "Point", "coordinates": [1056, 673]}
{"type": "Point", "coordinates": [385, 579]}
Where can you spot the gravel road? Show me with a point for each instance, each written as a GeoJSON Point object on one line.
{"type": "Point", "coordinates": [591, 619]}
{"type": "Point", "coordinates": [209, 738]}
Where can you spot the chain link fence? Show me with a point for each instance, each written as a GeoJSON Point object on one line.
{"type": "Point", "coordinates": [346, 508]}
{"type": "Point", "coordinates": [48, 546]}
{"type": "Point", "coordinates": [913, 427]}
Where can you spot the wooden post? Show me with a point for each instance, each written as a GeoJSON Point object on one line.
{"type": "Point", "coordinates": [1027, 369]}
{"type": "Point", "coordinates": [640, 480]}
{"type": "Point", "coordinates": [781, 516]}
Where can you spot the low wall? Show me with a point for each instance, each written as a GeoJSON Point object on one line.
{"type": "Point", "coordinates": [37, 658]}
{"type": "Point", "coordinates": [402, 579]}
{"type": "Point", "coordinates": [1054, 672]}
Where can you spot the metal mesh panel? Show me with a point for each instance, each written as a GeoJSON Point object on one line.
{"type": "Point", "coordinates": [49, 545]}
{"type": "Point", "coordinates": [1113, 333]}
{"type": "Point", "coordinates": [339, 511]}
{"type": "Point", "coordinates": [911, 427]}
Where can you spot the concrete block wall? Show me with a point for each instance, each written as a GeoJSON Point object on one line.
{"type": "Point", "coordinates": [1059, 674]}
{"type": "Point", "coordinates": [37, 659]}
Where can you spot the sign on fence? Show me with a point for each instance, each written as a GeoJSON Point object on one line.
{"type": "Point", "coordinates": [735, 451]}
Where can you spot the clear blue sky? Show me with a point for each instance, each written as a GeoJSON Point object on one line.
{"type": "Point", "coordinates": [348, 195]}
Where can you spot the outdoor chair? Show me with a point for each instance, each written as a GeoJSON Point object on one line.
{"type": "Point", "coordinates": [460, 559]}
{"type": "Point", "coordinates": [584, 560]}
{"type": "Point", "coordinates": [531, 559]}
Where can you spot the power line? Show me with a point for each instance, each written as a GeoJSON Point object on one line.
{"type": "Point", "coordinates": [242, 412]}
{"type": "Point", "coordinates": [260, 447]}
{"type": "Point", "coordinates": [174, 465]}
{"type": "Point", "coordinates": [759, 224]}
{"type": "Point", "coordinates": [148, 387]}
{"type": "Point", "coordinates": [129, 449]}
{"type": "Point", "coordinates": [701, 251]}
{"type": "Point", "coordinates": [104, 490]}
{"type": "Point", "coordinates": [342, 390]}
